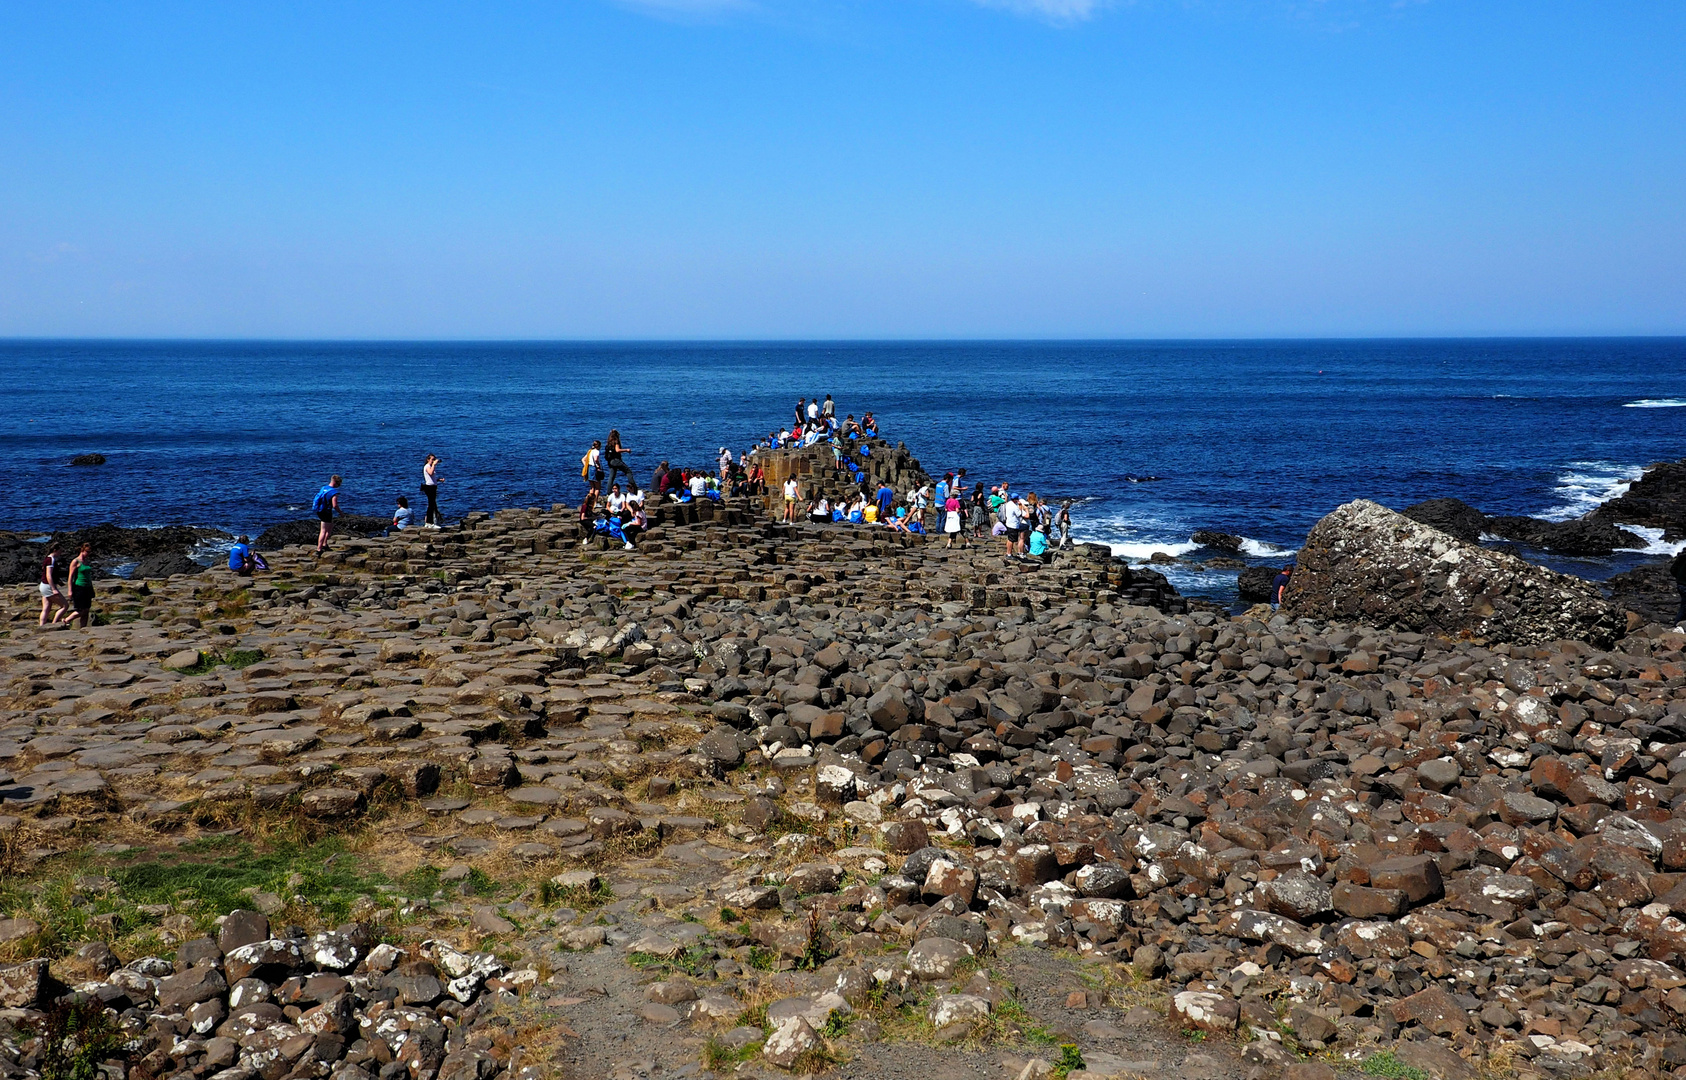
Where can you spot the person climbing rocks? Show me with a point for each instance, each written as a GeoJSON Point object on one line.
{"type": "Point", "coordinates": [325, 506]}
{"type": "Point", "coordinates": [1678, 569]}
{"type": "Point", "coordinates": [1280, 585]}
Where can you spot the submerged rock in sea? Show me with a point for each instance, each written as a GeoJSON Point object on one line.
{"type": "Point", "coordinates": [1366, 563]}
{"type": "Point", "coordinates": [88, 459]}
{"type": "Point", "coordinates": [1218, 540]}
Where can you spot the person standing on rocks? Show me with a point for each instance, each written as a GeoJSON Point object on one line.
{"type": "Point", "coordinates": [82, 587]}
{"type": "Point", "coordinates": [325, 506]}
{"type": "Point", "coordinates": [430, 487]}
{"type": "Point", "coordinates": [612, 459]}
{"type": "Point", "coordinates": [591, 465]}
{"type": "Point", "coordinates": [886, 499]}
{"type": "Point", "coordinates": [829, 411]}
{"type": "Point", "coordinates": [951, 520]}
{"type": "Point", "coordinates": [1280, 584]}
{"type": "Point", "coordinates": [52, 600]}
{"type": "Point", "coordinates": [792, 492]}
{"type": "Point", "coordinates": [1012, 519]}
{"type": "Point", "coordinates": [1062, 521]}
{"type": "Point", "coordinates": [1678, 569]}
{"type": "Point", "coordinates": [979, 509]}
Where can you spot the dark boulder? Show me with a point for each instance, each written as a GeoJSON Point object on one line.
{"type": "Point", "coordinates": [88, 459]}
{"type": "Point", "coordinates": [1454, 517]}
{"type": "Point", "coordinates": [164, 564]}
{"type": "Point", "coordinates": [1656, 500]}
{"type": "Point", "coordinates": [305, 532]}
{"type": "Point", "coordinates": [1582, 536]}
{"type": "Point", "coordinates": [1221, 541]}
{"type": "Point", "coordinates": [1364, 563]}
{"type": "Point", "coordinates": [1255, 583]}
{"type": "Point", "coordinates": [1648, 590]}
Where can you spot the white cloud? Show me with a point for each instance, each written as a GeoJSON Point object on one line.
{"type": "Point", "coordinates": [1057, 11]}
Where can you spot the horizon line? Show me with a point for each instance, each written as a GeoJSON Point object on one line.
{"type": "Point", "coordinates": [1267, 339]}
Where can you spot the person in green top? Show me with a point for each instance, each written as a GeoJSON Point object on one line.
{"type": "Point", "coordinates": [81, 587]}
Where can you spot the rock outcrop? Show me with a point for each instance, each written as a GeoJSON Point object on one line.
{"type": "Point", "coordinates": [1586, 536]}
{"type": "Point", "coordinates": [1366, 563]}
{"type": "Point", "coordinates": [1656, 500]}
{"type": "Point", "coordinates": [304, 532]}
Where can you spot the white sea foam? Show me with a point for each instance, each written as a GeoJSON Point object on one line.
{"type": "Point", "coordinates": [1654, 542]}
{"type": "Point", "coordinates": [1588, 484]}
{"type": "Point", "coordinates": [1259, 549]}
{"type": "Point", "coordinates": [1657, 403]}
{"type": "Point", "coordinates": [1143, 551]}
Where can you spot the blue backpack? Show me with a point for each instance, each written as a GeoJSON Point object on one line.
{"type": "Point", "coordinates": [324, 499]}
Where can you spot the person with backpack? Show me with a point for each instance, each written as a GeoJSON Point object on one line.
{"type": "Point", "coordinates": [325, 506]}
{"type": "Point", "coordinates": [1678, 569]}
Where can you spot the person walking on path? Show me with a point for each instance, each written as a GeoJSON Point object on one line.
{"type": "Point", "coordinates": [82, 588]}
{"type": "Point", "coordinates": [612, 451]}
{"type": "Point", "coordinates": [52, 600]}
{"type": "Point", "coordinates": [325, 506]}
{"type": "Point", "coordinates": [430, 487]}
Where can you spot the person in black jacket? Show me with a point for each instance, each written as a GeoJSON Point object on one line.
{"type": "Point", "coordinates": [1678, 569]}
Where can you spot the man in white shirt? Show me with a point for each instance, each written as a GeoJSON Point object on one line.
{"type": "Point", "coordinates": [1012, 519]}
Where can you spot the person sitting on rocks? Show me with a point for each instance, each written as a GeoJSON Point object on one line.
{"type": "Point", "coordinates": [819, 511]}
{"type": "Point", "coordinates": [857, 509]}
{"type": "Point", "coordinates": [851, 427]}
{"type": "Point", "coordinates": [604, 525]}
{"type": "Point", "coordinates": [402, 515]}
{"type": "Point", "coordinates": [1039, 543]}
{"type": "Point", "coordinates": [243, 560]}
{"type": "Point", "coordinates": [869, 425]}
{"type": "Point", "coordinates": [588, 505]}
{"type": "Point", "coordinates": [635, 524]}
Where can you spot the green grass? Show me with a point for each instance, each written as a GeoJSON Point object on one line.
{"type": "Point", "coordinates": [202, 878]}
{"type": "Point", "coordinates": [230, 658]}
{"type": "Point", "coordinates": [577, 897]}
{"type": "Point", "coordinates": [420, 883]}
{"type": "Point", "coordinates": [1388, 1066]}
{"type": "Point", "coordinates": [1069, 1061]}
{"type": "Point", "coordinates": [77, 1035]}
{"type": "Point", "coordinates": [1032, 1030]}
{"type": "Point", "coordinates": [697, 961]}
{"type": "Point", "coordinates": [718, 1057]}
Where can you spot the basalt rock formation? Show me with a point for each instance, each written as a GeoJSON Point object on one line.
{"type": "Point", "coordinates": [1366, 563]}
{"type": "Point", "coordinates": [1657, 500]}
{"type": "Point", "coordinates": [1587, 536]}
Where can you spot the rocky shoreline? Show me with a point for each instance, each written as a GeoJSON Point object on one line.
{"type": "Point", "coordinates": [760, 800]}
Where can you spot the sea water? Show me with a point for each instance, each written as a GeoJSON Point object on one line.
{"type": "Point", "coordinates": [1151, 440]}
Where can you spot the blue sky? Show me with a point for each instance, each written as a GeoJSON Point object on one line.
{"type": "Point", "coordinates": [842, 168]}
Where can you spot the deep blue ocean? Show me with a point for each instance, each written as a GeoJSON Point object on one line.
{"type": "Point", "coordinates": [1258, 439]}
